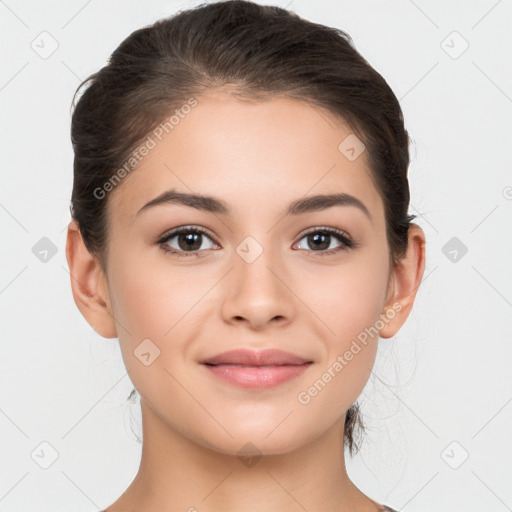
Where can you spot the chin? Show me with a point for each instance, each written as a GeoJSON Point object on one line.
{"type": "Point", "coordinates": [257, 441]}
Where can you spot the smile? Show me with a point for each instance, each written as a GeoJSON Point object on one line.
{"type": "Point", "coordinates": [258, 377]}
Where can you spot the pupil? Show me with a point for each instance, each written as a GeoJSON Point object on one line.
{"type": "Point", "coordinates": [191, 241]}
{"type": "Point", "coordinates": [316, 237]}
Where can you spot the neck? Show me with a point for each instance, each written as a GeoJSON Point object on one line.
{"type": "Point", "coordinates": [177, 473]}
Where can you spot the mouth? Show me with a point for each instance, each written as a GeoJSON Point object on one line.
{"type": "Point", "coordinates": [262, 376]}
{"type": "Point", "coordinates": [259, 370]}
{"type": "Point", "coordinates": [247, 357]}
{"type": "Point", "coordinates": [259, 377]}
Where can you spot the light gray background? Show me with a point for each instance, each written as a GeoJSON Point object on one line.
{"type": "Point", "coordinates": [441, 389]}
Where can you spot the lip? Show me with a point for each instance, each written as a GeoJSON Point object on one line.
{"type": "Point", "coordinates": [256, 369]}
{"type": "Point", "coordinates": [247, 357]}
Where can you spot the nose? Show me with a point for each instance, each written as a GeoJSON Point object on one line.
{"type": "Point", "coordinates": [258, 293]}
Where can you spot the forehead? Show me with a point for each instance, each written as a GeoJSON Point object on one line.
{"type": "Point", "coordinates": [252, 154]}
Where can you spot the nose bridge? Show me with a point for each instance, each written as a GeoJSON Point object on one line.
{"type": "Point", "coordinates": [256, 289]}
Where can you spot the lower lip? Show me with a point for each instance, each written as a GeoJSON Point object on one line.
{"type": "Point", "coordinates": [259, 377]}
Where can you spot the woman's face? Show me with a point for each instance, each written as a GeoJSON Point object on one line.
{"type": "Point", "coordinates": [260, 278]}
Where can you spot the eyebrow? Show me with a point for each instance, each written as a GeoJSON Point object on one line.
{"type": "Point", "coordinates": [218, 206]}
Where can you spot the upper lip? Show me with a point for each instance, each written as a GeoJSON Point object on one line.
{"type": "Point", "coordinates": [247, 357]}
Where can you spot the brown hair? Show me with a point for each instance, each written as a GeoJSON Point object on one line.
{"type": "Point", "coordinates": [262, 51]}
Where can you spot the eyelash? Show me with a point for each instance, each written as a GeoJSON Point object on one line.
{"type": "Point", "coordinates": [346, 242]}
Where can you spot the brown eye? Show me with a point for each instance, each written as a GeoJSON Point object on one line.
{"type": "Point", "coordinates": [187, 240]}
{"type": "Point", "coordinates": [321, 239]}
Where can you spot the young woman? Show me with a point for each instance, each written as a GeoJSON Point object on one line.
{"type": "Point", "coordinates": [240, 223]}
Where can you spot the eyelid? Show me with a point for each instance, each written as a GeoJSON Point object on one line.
{"type": "Point", "coordinates": [189, 228]}
{"type": "Point", "coordinates": [194, 227]}
{"type": "Point", "coordinates": [328, 229]}
{"type": "Point", "coordinates": [346, 241]}
{"type": "Point", "coordinates": [186, 228]}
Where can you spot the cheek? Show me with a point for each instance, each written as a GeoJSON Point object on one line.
{"type": "Point", "coordinates": [154, 310]}
{"type": "Point", "coordinates": [348, 298]}
{"type": "Point", "coordinates": [352, 307]}
{"type": "Point", "coordinates": [151, 297]}
{"type": "Point", "coordinates": [349, 304]}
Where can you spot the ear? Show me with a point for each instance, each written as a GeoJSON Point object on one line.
{"type": "Point", "coordinates": [404, 282]}
{"type": "Point", "coordinates": [89, 284]}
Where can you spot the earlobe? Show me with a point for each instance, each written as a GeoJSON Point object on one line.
{"type": "Point", "coordinates": [89, 284]}
{"type": "Point", "coordinates": [405, 281]}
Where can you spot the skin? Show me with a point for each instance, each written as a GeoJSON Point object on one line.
{"type": "Point", "coordinates": [257, 157]}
